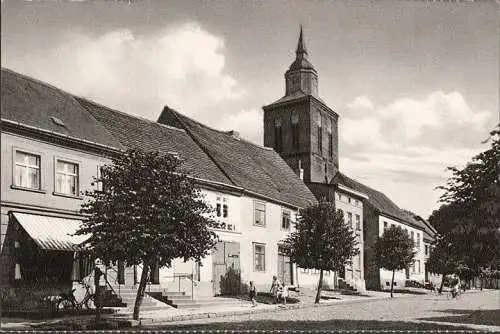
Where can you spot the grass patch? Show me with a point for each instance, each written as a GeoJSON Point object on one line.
{"type": "Point", "coordinates": [479, 317]}
{"type": "Point", "coordinates": [312, 325]}
{"type": "Point", "coordinates": [82, 324]}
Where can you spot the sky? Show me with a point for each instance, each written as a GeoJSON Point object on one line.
{"type": "Point", "coordinates": [415, 83]}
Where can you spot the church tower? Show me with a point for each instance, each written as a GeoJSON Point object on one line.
{"type": "Point", "coordinates": [300, 126]}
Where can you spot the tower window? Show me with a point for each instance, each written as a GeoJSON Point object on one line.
{"type": "Point", "coordinates": [295, 136]}
{"type": "Point", "coordinates": [330, 145]}
{"type": "Point", "coordinates": [278, 138]}
{"type": "Point", "coordinates": [320, 140]}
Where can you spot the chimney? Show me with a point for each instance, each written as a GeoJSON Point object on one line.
{"type": "Point", "coordinates": [235, 134]}
{"type": "Point", "coordinates": [301, 171]}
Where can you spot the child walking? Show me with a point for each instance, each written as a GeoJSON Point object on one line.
{"type": "Point", "coordinates": [252, 293]}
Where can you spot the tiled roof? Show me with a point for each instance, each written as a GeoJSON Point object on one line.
{"type": "Point", "coordinates": [297, 96]}
{"type": "Point", "coordinates": [255, 168]}
{"type": "Point", "coordinates": [135, 132]}
{"type": "Point", "coordinates": [33, 103]}
{"type": "Point", "coordinates": [378, 200]}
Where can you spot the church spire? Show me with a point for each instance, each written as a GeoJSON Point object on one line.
{"type": "Point", "coordinates": [301, 75]}
{"type": "Point", "coordinates": [301, 50]}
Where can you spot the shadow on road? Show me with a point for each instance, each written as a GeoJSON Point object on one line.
{"type": "Point", "coordinates": [479, 317]}
{"type": "Point", "coordinates": [269, 325]}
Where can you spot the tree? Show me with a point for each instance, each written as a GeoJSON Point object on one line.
{"type": "Point", "coordinates": [442, 261]}
{"type": "Point", "coordinates": [148, 213]}
{"type": "Point", "coordinates": [321, 240]}
{"type": "Point", "coordinates": [468, 217]}
{"type": "Point", "coordinates": [394, 251]}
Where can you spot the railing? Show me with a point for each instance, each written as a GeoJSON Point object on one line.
{"type": "Point", "coordinates": [180, 276]}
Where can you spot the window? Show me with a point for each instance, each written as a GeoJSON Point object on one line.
{"type": "Point", "coordinates": [66, 178]}
{"type": "Point", "coordinates": [418, 266]}
{"type": "Point", "coordinates": [278, 138]}
{"type": "Point", "coordinates": [330, 145]}
{"type": "Point", "coordinates": [259, 257]}
{"type": "Point", "coordinates": [349, 219]}
{"type": "Point", "coordinates": [320, 140]}
{"type": "Point", "coordinates": [295, 136]}
{"type": "Point", "coordinates": [27, 170]}
{"type": "Point", "coordinates": [426, 250]}
{"type": "Point", "coordinates": [385, 225]}
{"type": "Point", "coordinates": [221, 208]}
{"type": "Point", "coordinates": [413, 238]}
{"type": "Point", "coordinates": [413, 268]}
{"type": "Point", "coordinates": [418, 240]}
{"type": "Point", "coordinates": [260, 214]}
{"type": "Point", "coordinates": [358, 222]}
{"type": "Point", "coordinates": [348, 200]}
{"type": "Point", "coordinates": [285, 220]}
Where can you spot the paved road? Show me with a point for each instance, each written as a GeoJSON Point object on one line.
{"type": "Point", "coordinates": [400, 308]}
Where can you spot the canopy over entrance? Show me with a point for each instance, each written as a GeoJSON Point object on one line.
{"type": "Point", "coordinates": [52, 233]}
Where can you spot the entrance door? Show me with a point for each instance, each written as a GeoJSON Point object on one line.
{"type": "Point", "coordinates": [284, 268]}
{"type": "Point", "coordinates": [226, 255]}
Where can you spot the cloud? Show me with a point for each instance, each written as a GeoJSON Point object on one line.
{"type": "Point", "coordinates": [410, 142]}
{"type": "Point", "coordinates": [183, 67]}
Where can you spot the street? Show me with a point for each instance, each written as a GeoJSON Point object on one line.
{"type": "Point", "coordinates": [479, 308]}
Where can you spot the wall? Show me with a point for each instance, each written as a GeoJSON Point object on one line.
{"type": "Point", "coordinates": [400, 276]}
{"type": "Point", "coordinates": [43, 201]}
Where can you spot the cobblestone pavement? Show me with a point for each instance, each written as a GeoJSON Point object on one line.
{"type": "Point", "coordinates": [409, 308]}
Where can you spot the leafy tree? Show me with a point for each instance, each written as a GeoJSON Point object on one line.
{"type": "Point", "coordinates": [149, 213]}
{"type": "Point", "coordinates": [442, 261]}
{"type": "Point", "coordinates": [394, 251]}
{"type": "Point", "coordinates": [321, 240]}
{"type": "Point", "coordinates": [468, 219]}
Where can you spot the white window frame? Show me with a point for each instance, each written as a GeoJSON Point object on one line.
{"type": "Point", "coordinates": [222, 207]}
{"type": "Point", "coordinates": [67, 173]}
{"type": "Point", "coordinates": [255, 204]}
{"type": "Point", "coordinates": [283, 214]}
{"type": "Point", "coordinates": [358, 222]}
{"type": "Point", "coordinates": [254, 246]}
{"type": "Point", "coordinates": [26, 167]}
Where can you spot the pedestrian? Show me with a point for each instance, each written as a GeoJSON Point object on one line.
{"type": "Point", "coordinates": [274, 288]}
{"type": "Point", "coordinates": [283, 292]}
{"type": "Point", "coordinates": [252, 293]}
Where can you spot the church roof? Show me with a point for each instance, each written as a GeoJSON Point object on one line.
{"type": "Point", "coordinates": [301, 62]}
{"type": "Point", "coordinates": [255, 168]}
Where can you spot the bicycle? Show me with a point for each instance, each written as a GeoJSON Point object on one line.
{"type": "Point", "coordinates": [68, 301]}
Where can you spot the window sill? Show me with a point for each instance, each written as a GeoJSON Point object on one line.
{"type": "Point", "coordinates": [67, 195]}
{"type": "Point", "coordinates": [40, 191]}
{"type": "Point", "coordinates": [259, 271]}
{"type": "Point", "coordinates": [259, 225]}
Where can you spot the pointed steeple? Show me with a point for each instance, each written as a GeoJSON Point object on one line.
{"type": "Point", "coordinates": [301, 46]}
{"type": "Point", "coordinates": [301, 75]}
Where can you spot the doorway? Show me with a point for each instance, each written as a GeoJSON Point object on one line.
{"type": "Point", "coordinates": [225, 256]}
{"type": "Point", "coordinates": [284, 267]}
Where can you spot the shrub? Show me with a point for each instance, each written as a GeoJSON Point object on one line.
{"type": "Point", "coordinates": [28, 297]}
{"type": "Point", "coordinates": [230, 283]}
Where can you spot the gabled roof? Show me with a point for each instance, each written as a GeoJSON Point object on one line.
{"type": "Point", "coordinates": [378, 200]}
{"type": "Point", "coordinates": [135, 132]}
{"type": "Point", "coordinates": [33, 103]}
{"type": "Point", "coordinates": [255, 168]}
{"type": "Point", "coordinates": [430, 232]}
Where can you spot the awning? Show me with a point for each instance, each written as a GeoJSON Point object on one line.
{"type": "Point", "coordinates": [52, 233]}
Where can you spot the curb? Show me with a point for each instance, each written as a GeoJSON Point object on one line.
{"type": "Point", "coordinates": [206, 315]}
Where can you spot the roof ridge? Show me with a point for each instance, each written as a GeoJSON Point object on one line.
{"type": "Point", "coordinates": [223, 132]}
{"type": "Point", "coordinates": [127, 114]}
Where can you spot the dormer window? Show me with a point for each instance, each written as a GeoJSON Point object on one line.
{"type": "Point", "coordinates": [57, 121]}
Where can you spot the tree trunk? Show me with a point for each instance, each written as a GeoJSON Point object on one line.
{"type": "Point", "coordinates": [320, 285]}
{"type": "Point", "coordinates": [140, 290]}
{"type": "Point", "coordinates": [442, 283]}
{"type": "Point", "coordinates": [392, 282]}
